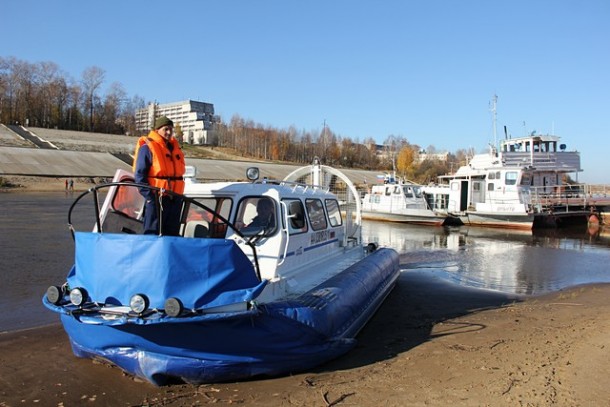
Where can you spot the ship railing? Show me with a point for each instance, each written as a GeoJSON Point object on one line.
{"type": "Point", "coordinates": [437, 202]}
{"type": "Point", "coordinates": [600, 190]}
{"type": "Point", "coordinates": [569, 197]}
{"type": "Point", "coordinates": [564, 161]}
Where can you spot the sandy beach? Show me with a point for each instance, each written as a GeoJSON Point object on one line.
{"type": "Point", "coordinates": [431, 343]}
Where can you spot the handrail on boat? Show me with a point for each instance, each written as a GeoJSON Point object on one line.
{"type": "Point", "coordinates": [293, 184]}
{"type": "Point", "coordinates": [284, 229]}
{"type": "Point", "coordinates": [250, 241]}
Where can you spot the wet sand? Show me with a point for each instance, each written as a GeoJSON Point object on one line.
{"type": "Point", "coordinates": [431, 343]}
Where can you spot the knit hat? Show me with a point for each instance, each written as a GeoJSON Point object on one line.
{"type": "Point", "coordinates": [163, 121]}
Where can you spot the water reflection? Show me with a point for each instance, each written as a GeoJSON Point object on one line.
{"type": "Point", "coordinates": [37, 250]}
{"type": "Point", "coordinates": [516, 262]}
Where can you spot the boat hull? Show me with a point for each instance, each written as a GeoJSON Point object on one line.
{"type": "Point", "coordinates": [556, 219]}
{"type": "Point", "coordinates": [421, 217]}
{"type": "Point", "coordinates": [272, 339]}
{"type": "Point", "coordinates": [499, 220]}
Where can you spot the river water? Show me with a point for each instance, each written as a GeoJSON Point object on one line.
{"type": "Point", "coordinates": [37, 251]}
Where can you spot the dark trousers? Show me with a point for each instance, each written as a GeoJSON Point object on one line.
{"type": "Point", "coordinates": [170, 216]}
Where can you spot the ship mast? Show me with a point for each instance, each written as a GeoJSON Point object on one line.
{"type": "Point", "coordinates": [494, 102]}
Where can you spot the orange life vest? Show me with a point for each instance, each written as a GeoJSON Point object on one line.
{"type": "Point", "coordinates": [168, 167]}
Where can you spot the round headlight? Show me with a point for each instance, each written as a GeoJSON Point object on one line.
{"type": "Point", "coordinates": [78, 296]}
{"type": "Point", "coordinates": [173, 307]}
{"type": "Point", "coordinates": [138, 303]}
{"type": "Point", "coordinates": [252, 173]}
{"type": "Point", "coordinates": [54, 294]}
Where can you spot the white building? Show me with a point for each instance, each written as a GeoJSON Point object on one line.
{"type": "Point", "coordinates": [423, 156]}
{"type": "Point", "coordinates": [196, 119]}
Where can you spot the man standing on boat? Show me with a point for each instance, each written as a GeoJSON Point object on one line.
{"type": "Point", "coordinates": [159, 162]}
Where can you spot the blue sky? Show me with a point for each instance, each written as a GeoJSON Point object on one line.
{"type": "Point", "coordinates": [423, 70]}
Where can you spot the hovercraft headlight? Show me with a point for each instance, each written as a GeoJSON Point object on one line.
{"type": "Point", "coordinates": [173, 307]}
{"type": "Point", "coordinates": [78, 296]}
{"type": "Point", "coordinates": [139, 303]}
{"type": "Point", "coordinates": [252, 173]}
{"type": "Point", "coordinates": [55, 294]}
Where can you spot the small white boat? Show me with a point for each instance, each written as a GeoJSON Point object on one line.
{"type": "Point", "coordinates": [224, 300]}
{"type": "Point", "coordinates": [397, 201]}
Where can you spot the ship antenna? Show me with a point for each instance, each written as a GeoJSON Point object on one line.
{"type": "Point", "coordinates": [495, 119]}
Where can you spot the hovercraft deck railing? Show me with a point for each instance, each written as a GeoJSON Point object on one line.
{"type": "Point", "coordinates": [100, 216]}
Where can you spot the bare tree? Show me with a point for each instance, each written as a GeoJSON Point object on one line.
{"type": "Point", "coordinates": [21, 84]}
{"type": "Point", "coordinates": [112, 109]}
{"type": "Point", "coordinates": [128, 114]}
{"type": "Point", "coordinates": [74, 113]}
{"type": "Point", "coordinates": [92, 79]}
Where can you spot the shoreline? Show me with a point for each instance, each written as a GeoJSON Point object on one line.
{"type": "Point", "coordinates": [27, 183]}
{"type": "Point", "coordinates": [432, 342]}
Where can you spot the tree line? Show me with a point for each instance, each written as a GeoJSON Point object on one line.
{"type": "Point", "coordinates": [42, 95]}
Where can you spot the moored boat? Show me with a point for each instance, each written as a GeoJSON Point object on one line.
{"type": "Point", "coordinates": [225, 300]}
{"type": "Point", "coordinates": [522, 185]}
{"type": "Point", "coordinates": [405, 202]}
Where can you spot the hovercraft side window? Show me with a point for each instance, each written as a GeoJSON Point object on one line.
{"type": "Point", "coordinates": [217, 227]}
{"type": "Point", "coordinates": [256, 215]}
{"type": "Point", "coordinates": [315, 211]}
{"type": "Point", "coordinates": [334, 214]}
{"type": "Point", "coordinates": [296, 216]}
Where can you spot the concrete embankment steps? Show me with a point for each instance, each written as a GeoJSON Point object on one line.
{"type": "Point", "coordinates": [126, 158]}
{"type": "Point", "coordinates": [40, 143]}
{"type": "Point", "coordinates": [99, 155]}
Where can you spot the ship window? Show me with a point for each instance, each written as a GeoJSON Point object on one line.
{"type": "Point", "coordinates": [397, 190]}
{"type": "Point", "coordinates": [491, 175]}
{"type": "Point", "coordinates": [296, 216]}
{"type": "Point", "coordinates": [476, 186]}
{"type": "Point", "coordinates": [511, 178]}
{"type": "Point", "coordinates": [334, 214]}
{"type": "Point", "coordinates": [490, 186]}
{"type": "Point", "coordinates": [408, 192]}
{"type": "Point", "coordinates": [388, 192]}
{"type": "Point", "coordinates": [315, 211]}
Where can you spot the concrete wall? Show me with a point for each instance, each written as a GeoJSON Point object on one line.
{"type": "Point", "coordinates": [77, 157]}
{"type": "Point", "coordinates": [58, 163]}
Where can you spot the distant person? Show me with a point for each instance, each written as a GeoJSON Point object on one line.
{"type": "Point", "coordinates": [66, 183]}
{"type": "Point", "coordinates": [159, 162]}
{"type": "Point", "coordinates": [71, 185]}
